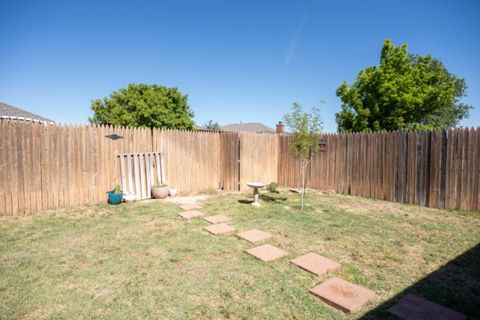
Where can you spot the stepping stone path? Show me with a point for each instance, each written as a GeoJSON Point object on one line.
{"type": "Point", "coordinates": [254, 235]}
{"type": "Point", "coordinates": [267, 252]}
{"type": "Point", "coordinates": [343, 295]}
{"type": "Point", "coordinates": [315, 263]}
{"type": "Point", "coordinates": [217, 219]}
{"type": "Point", "coordinates": [221, 228]}
{"type": "Point", "coordinates": [191, 206]}
{"type": "Point", "coordinates": [336, 292]}
{"type": "Point", "coordinates": [191, 214]}
{"type": "Point", "coordinates": [412, 307]}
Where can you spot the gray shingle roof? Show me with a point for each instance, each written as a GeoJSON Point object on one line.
{"type": "Point", "coordinates": [248, 127]}
{"type": "Point", "coordinates": [10, 112]}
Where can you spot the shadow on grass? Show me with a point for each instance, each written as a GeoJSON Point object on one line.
{"type": "Point", "coordinates": [455, 285]}
{"type": "Point", "coordinates": [245, 201]}
{"type": "Point", "coordinates": [274, 199]}
{"type": "Point", "coordinates": [266, 198]}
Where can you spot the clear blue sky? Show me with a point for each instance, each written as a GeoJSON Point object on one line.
{"type": "Point", "coordinates": [237, 60]}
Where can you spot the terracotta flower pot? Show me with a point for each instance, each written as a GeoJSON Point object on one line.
{"type": "Point", "coordinates": [160, 192]}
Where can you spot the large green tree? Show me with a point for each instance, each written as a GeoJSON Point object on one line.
{"type": "Point", "coordinates": [143, 105]}
{"type": "Point", "coordinates": [405, 91]}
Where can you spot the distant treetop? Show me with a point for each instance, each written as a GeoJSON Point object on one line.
{"type": "Point", "coordinates": [210, 125]}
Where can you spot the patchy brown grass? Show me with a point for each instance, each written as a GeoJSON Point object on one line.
{"type": "Point", "coordinates": [142, 260]}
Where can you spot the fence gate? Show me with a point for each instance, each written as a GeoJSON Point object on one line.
{"type": "Point", "coordinates": [140, 171]}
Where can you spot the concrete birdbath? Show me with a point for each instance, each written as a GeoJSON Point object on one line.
{"type": "Point", "coordinates": [256, 186]}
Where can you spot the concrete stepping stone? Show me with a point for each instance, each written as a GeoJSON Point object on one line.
{"type": "Point", "coordinates": [221, 228]}
{"type": "Point", "coordinates": [254, 235]}
{"type": "Point", "coordinates": [191, 206]}
{"type": "Point", "coordinates": [343, 295]}
{"type": "Point", "coordinates": [217, 219]}
{"type": "Point", "coordinates": [315, 263]}
{"type": "Point", "coordinates": [267, 252]}
{"type": "Point", "coordinates": [191, 214]}
{"type": "Point", "coordinates": [411, 307]}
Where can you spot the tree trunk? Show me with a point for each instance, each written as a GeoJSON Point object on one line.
{"type": "Point", "coordinates": [303, 181]}
{"type": "Point", "coordinates": [305, 164]}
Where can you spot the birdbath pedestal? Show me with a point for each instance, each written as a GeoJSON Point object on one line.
{"type": "Point", "coordinates": [256, 186]}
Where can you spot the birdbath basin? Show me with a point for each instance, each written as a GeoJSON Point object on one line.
{"type": "Point", "coordinates": [256, 186]}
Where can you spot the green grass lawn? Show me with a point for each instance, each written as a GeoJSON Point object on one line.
{"type": "Point", "coordinates": [141, 260]}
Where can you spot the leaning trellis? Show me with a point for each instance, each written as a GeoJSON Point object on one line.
{"type": "Point", "coordinates": [140, 171]}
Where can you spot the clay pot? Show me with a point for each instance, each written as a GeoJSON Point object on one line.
{"type": "Point", "coordinates": [160, 192]}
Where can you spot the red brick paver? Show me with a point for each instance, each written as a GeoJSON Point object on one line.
{"type": "Point", "coordinates": [267, 252]}
{"type": "Point", "coordinates": [254, 235]}
{"type": "Point", "coordinates": [217, 219]}
{"type": "Point", "coordinates": [191, 206]}
{"type": "Point", "coordinates": [220, 228]}
{"type": "Point", "coordinates": [191, 214]}
{"type": "Point", "coordinates": [343, 295]}
{"type": "Point", "coordinates": [315, 263]}
{"type": "Point", "coordinates": [411, 307]}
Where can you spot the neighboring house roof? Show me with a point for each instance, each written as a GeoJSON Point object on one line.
{"type": "Point", "coordinates": [10, 112]}
{"type": "Point", "coordinates": [248, 127]}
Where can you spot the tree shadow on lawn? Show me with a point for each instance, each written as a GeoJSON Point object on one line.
{"type": "Point", "coordinates": [455, 285]}
{"type": "Point", "coordinates": [245, 201]}
{"type": "Point", "coordinates": [271, 198]}
{"type": "Point", "coordinates": [265, 198]}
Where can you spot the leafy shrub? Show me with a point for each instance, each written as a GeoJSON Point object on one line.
{"type": "Point", "coordinates": [272, 187]}
{"type": "Point", "coordinates": [117, 189]}
{"type": "Point", "coordinates": [160, 185]}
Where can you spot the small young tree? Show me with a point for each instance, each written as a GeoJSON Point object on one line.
{"type": "Point", "coordinates": [306, 129]}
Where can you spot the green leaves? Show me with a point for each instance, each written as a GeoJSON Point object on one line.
{"type": "Point", "coordinates": [306, 129]}
{"type": "Point", "coordinates": [210, 125]}
{"type": "Point", "coordinates": [142, 105]}
{"type": "Point", "coordinates": [405, 91]}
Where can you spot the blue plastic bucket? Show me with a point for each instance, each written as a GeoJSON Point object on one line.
{"type": "Point", "coordinates": [114, 198]}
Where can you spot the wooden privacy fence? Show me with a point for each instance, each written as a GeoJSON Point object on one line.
{"type": "Point", "coordinates": [256, 162]}
{"type": "Point", "coordinates": [192, 158]}
{"type": "Point", "coordinates": [56, 166]}
{"type": "Point", "coordinates": [438, 169]}
{"type": "Point", "coordinates": [48, 166]}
